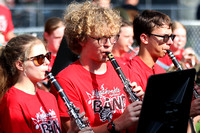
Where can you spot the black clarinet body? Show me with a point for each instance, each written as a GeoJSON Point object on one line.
{"type": "Point", "coordinates": [70, 106]}
{"type": "Point", "coordinates": [127, 87]}
{"type": "Point", "coordinates": [174, 60]}
{"type": "Point", "coordinates": [178, 66]}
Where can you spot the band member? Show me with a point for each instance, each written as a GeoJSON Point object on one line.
{"type": "Point", "coordinates": [121, 49]}
{"type": "Point", "coordinates": [24, 108]}
{"type": "Point", "coordinates": [153, 33]}
{"type": "Point", "coordinates": [91, 82]}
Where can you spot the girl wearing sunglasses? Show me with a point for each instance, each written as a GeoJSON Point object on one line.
{"type": "Point", "coordinates": [23, 107]}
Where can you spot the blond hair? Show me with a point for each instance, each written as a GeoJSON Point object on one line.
{"type": "Point", "coordinates": [86, 19]}
{"type": "Point", "coordinates": [177, 25]}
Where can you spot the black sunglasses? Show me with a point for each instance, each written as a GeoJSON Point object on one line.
{"type": "Point", "coordinates": [165, 37]}
{"type": "Point", "coordinates": [39, 59]}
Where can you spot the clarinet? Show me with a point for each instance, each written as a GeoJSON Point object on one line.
{"type": "Point", "coordinates": [178, 66]}
{"type": "Point", "coordinates": [174, 60]}
{"type": "Point", "coordinates": [127, 87]}
{"type": "Point", "coordinates": [71, 108]}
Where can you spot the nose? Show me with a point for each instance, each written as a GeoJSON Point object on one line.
{"type": "Point", "coordinates": [108, 43]}
{"type": "Point", "coordinates": [170, 41]}
{"type": "Point", "coordinates": [131, 40]}
{"type": "Point", "coordinates": [46, 61]}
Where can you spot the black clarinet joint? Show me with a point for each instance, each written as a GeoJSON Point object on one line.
{"type": "Point", "coordinates": [127, 87]}
{"type": "Point", "coordinates": [70, 106]}
{"type": "Point", "coordinates": [174, 60]}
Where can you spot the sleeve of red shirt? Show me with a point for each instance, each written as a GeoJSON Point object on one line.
{"type": "Point", "coordinates": [19, 124]}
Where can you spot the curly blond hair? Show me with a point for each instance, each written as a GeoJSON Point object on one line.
{"type": "Point", "coordinates": [86, 19]}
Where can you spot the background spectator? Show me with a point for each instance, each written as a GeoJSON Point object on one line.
{"type": "Point", "coordinates": [129, 9]}
{"type": "Point", "coordinates": [102, 3]}
{"type": "Point", "coordinates": [53, 35]}
{"type": "Point", "coordinates": [121, 48]}
{"type": "Point", "coordinates": [6, 23]}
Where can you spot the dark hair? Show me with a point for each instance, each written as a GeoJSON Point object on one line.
{"type": "Point", "coordinates": [52, 24]}
{"type": "Point", "coordinates": [16, 49]}
{"type": "Point", "coordinates": [147, 21]}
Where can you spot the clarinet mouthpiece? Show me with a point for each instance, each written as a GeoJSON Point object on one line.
{"type": "Point", "coordinates": [168, 51]}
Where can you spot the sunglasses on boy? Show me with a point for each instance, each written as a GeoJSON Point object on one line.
{"type": "Point", "coordinates": [165, 37]}
{"type": "Point", "coordinates": [39, 59]}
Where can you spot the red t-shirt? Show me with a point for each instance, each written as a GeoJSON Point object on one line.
{"type": "Point", "coordinates": [126, 58]}
{"type": "Point", "coordinates": [140, 71]}
{"type": "Point", "coordinates": [24, 113]}
{"type": "Point", "coordinates": [6, 23]}
{"type": "Point", "coordinates": [93, 93]}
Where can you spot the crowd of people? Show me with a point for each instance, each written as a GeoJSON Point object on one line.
{"type": "Point", "coordinates": [92, 30]}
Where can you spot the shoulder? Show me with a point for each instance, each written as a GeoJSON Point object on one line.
{"type": "Point", "coordinates": [72, 68]}
{"type": "Point", "coordinates": [47, 96]}
{"type": "Point", "coordinates": [72, 73]}
{"type": "Point", "coordinates": [12, 98]}
{"type": "Point", "coordinates": [134, 62]}
{"type": "Point", "coordinates": [165, 60]}
{"type": "Point", "coordinates": [4, 9]}
{"type": "Point", "coordinates": [159, 69]}
{"type": "Point", "coordinates": [45, 93]}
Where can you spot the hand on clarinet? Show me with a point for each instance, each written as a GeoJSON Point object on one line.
{"type": "Point", "coordinates": [75, 129]}
{"type": "Point", "coordinates": [129, 118]}
{"type": "Point", "coordinates": [195, 107]}
{"type": "Point", "coordinates": [86, 130]}
{"type": "Point", "coordinates": [138, 90]}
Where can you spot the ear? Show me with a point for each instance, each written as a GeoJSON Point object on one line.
{"type": "Point", "coordinates": [82, 43]}
{"type": "Point", "coordinates": [46, 35]}
{"type": "Point", "coordinates": [144, 38]}
{"type": "Point", "coordinates": [19, 65]}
